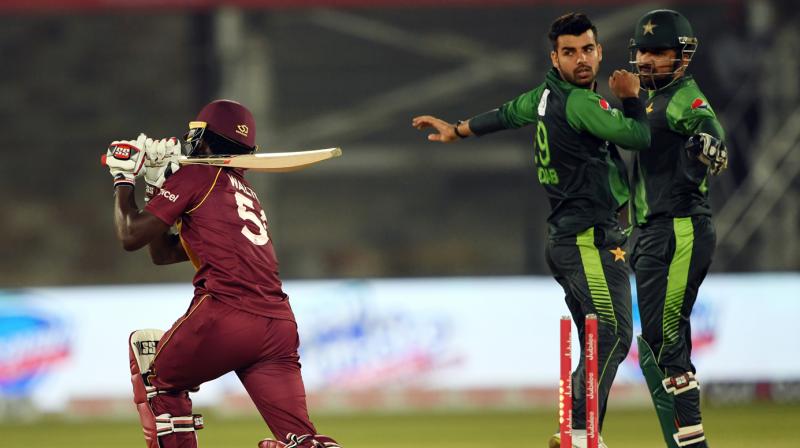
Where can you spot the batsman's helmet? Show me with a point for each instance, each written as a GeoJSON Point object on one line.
{"type": "Point", "coordinates": [224, 124]}
{"type": "Point", "coordinates": [664, 29]}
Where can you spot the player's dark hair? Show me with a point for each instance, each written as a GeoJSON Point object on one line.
{"type": "Point", "coordinates": [573, 24]}
{"type": "Point", "coordinates": [221, 145]}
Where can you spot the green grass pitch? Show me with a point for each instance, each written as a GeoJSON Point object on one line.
{"type": "Point", "coordinates": [741, 426]}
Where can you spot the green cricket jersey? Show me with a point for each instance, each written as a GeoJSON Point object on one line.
{"type": "Point", "coordinates": [576, 158]}
{"type": "Point", "coordinates": [668, 182]}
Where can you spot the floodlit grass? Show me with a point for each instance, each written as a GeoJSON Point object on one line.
{"type": "Point", "coordinates": [730, 427]}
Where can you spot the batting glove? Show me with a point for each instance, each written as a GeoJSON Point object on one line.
{"type": "Point", "coordinates": [125, 159]}
{"type": "Point", "coordinates": [161, 161]}
{"type": "Point", "coordinates": [709, 150]}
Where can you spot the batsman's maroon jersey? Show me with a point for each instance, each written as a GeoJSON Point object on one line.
{"type": "Point", "coordinates": [224, 231]}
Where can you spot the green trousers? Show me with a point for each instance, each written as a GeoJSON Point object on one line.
{"type": "Point", "coordinates": [670, 259]}
{"type": "Point", "coordinates": [592, 269]}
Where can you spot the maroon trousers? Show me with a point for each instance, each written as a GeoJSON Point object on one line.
{"type": "Point", "coordinates": [212, 339]}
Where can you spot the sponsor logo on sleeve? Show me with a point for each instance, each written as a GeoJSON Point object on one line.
{"type": "Point", "coordinates": [171, 197]}
{"type": "Point", "coordinates": [604, 104]}
{"type": "Point", "coordinates": [699, 103]}
{"type": "Point", "coordinates": [543, 102]}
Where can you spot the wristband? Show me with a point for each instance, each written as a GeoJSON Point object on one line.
{"type": "Point", "coordinates": [455, 128]}
{"type": "Point", "coordinates": [120, 180]}
{"type": "Point", "coordinates": [149, 192]}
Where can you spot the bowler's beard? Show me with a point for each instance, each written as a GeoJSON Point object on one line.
{"type": "Point", "coordinates": [581, 76]}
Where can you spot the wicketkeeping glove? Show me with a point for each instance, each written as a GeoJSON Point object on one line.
{"type": "Point", "coordinates": [709, 150]}
{"type": "Point", "coordinates": [125, 159]}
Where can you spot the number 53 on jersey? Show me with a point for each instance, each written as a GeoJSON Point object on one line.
{"type": "Point", "coordinates": [247, 212]}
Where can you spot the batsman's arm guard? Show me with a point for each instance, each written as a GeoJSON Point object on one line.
{"type": "Point", "coordinates": [142, 346]}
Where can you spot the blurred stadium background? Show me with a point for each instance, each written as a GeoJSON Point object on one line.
{"type": "Point", "coordinates": [393, 253]}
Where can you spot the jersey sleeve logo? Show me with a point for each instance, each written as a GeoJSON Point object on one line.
{"type": "Point", "coordinates": [699, 103]}
{"type": "Point", "coordinates": [604, 104]}
{"type": "Point", "coordinates": [543, 102]}
{"type": "Point", "coordinates": [171, 197]}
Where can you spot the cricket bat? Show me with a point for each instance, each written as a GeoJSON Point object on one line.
{"type": "Point", "coordinates": [267, 162]}
{"type": "Point", "coordinates": [275, 162]}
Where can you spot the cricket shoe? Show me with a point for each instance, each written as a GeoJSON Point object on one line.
{"type": "Point", "coordinates": [295, 441]}
{"type": "Point", "coordinates": [578, 440]}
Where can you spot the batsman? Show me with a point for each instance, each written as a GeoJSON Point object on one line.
{"type": "Point", "coordinates": [239, 319]}
{"type": "Point", "coordinates": [675, 233]}
{"type": "Point", "coordinates": [576, 133]}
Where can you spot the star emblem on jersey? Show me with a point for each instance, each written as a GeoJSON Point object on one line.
{"type": "Point", "coordinates": [649, 108]}
{"type": "Point", "coordinates": [648, 27]}
{"type": "Point", "coordinates": [619, 254]}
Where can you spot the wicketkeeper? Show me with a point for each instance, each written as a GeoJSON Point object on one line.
{"type": "Point", "coordinates": [676, 236]}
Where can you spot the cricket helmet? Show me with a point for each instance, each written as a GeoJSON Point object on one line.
{"type": "Point", "coordinates": [229, 123]}
{"type": "Point", "coordinates": [664, 29]}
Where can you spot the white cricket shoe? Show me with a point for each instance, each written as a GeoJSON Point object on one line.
{"type": "Point", "coordinates": [578, 440]}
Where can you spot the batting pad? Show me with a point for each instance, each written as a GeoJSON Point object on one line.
{"type": "Point", "coordinates": [142, 351]}
{"type": "Point", "coordinates": [663, 401]}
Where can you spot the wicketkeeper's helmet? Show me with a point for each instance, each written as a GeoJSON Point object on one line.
{"type": "Point", "coordinates": [664, 29]}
